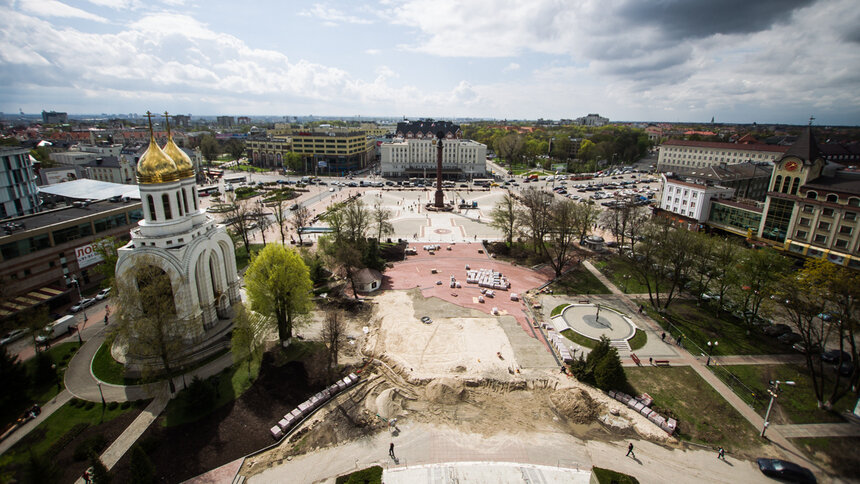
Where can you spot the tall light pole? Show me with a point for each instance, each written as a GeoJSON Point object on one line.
{"type": "Point", "coordinates": [101, 393]}
{"type": "Point", "coordinates": [711, 346]}
{"type": "Point", "coordinates": [774, 393]}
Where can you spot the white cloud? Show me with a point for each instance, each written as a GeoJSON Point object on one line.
{"type": "Point", "coordinates": [513, 66]}
{"type": "Point", "coordinates": [333, 16]}
{"type": "Point", "coordinates": [53, 8]}
{"type": "Point", "coordinates": [372, 51]}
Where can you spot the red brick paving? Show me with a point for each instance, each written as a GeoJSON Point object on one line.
{"type": "Point", "coordinates": [415, 271]}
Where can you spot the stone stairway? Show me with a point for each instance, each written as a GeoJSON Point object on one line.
{"type": "Point", "coordinates": [620, 345]}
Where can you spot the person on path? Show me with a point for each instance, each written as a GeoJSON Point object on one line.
{"type": "Point", "coordinates": [86, 476]}
{"type": "Point", "coordinates": [721, 454]}
{"type": "Point", "coordinates": [391, 450]}
{"type": "Point", "coordinates": [629, 450]}
{"type": "Point", "coordinates": [663, 336]}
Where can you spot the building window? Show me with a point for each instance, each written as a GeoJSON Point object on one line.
{"type": "Point", "coordinates": [802, 234]}
{"type": "Point", "coordinates": [151, 204]}
{"type": "Point", "coordinates": [824, 225]}
{"type": "Point", "coordinates": [846, 230]}
{"type": "Point", "coordinates": [850, 216]}
{"type": "Point", "coordinates": [785, 184]}
{"type": "Point", "coordinates": [841, 243]}
{"type": "Point", "coordinates": [165, 204]}
{"type": "Point", "coordinates": [820, 239]}
{"type": "Point", "coordinates": [185, 200]}
{"type": "Point", "coordinates": [854, 202]}
{"type": "Point", "coordinates": [832, 198]}
{"type": "Point", "coordinates": [795, 185]}
{"type": "Point", "coordinates": [808, 209]}
{"type": "Point", "coordinates": [805, 221]}
{"type": "Point", "coordinates": [178, 204]}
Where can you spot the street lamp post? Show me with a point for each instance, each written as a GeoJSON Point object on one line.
{"type": "Point", "coordinates": [56, 375]}
{"type": "Point", "coordinates": [774, 393]}
{"type": "Point", "coordinates": [74, 280]}
{"type": "Point", "coordinates": [101, 393]}
{"type": "Point", "coordinates": [711, 346]}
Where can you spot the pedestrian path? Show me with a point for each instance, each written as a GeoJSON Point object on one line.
{"type": "Point", "coordinates": [818, 430]}
{"type": "Point", "coordinates": [47, 409]}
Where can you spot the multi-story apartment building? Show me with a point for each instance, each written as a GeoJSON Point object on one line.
{"type": "Point", "coordinates": [111, 169]}
{"type": "Point", "coordinates": [54, 117]}
{"type": "Point", "coordinates": [683, 156]}
{"type": "Point", "coordinates": [592, 120]}
{"type": "Point", "coordinates": [427, 129]}
{"type": "Point", "coordinates": [750, 180]}
{"type": "Point", "coordinates": [813, 208]}
{"type": "Point", "coordinates": [461, 159]}
{"type": "Point", "coordinates": [692, 201]}
{"type": "Point", "coordinates": [18, 192]}
{"type": "Point", "coordinates": [225, 121]}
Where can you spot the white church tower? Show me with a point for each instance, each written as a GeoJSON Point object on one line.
{"type": "Point", "coordinates": [182, 240]}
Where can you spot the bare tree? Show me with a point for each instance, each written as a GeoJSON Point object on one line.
{"type": "Point", "coordinates": [333, 334]}
{"type": "Point", "coordinates": [147, 318]}
{"type": "Point", "coordinates": [357, 221]}
{"type": "Point", "coordinates": [504, 217]}
{"type": "Point", "coordinates": [382, 221]}
{"type": "Point", "coordinates": [584, 217]}
{"type": "Point", "coordinates": [301, 218]}
{"type": "Point", "coordinates": [562, 235]}
{"type": "Point", "coordinates": [663, 260]}
{"type": "Point", "coordinates": [240, 215]}
{"type": "Point", "coordinates": [280, 213]}
{"type": "Point", "coordinates": [245, 340]}
{"type": "Point", "coordinates": [535, 215]}
{"type": "Point", "coordinates": [623, 220]}
{"type": "Point", "coordinates": [263, 220]}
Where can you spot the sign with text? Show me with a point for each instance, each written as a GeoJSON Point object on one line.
{"type": "Point", "coordinates": [87, 255]}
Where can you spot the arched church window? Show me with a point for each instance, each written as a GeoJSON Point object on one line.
{"type": "Point", "coordinates": [833, 198]}
{"type": "Point", "coordinates": [178, 204]}
{"type": "Point", "coordinates": [777, 182]}
{"type": "Point", "coordinates": [795, 185]}
{"type": "Point", "coordinates": [194, 197]}
{"type": "Point", "coordinates": [151, 204]}
{"type": "Point", "coordinates": [185, 200]}
{"type": "Point", "coordinates": [165, 204]}
{"type": "Point", "coordinates": [812, 195]}
{"type": "Point", "coordinates": [786, 184]}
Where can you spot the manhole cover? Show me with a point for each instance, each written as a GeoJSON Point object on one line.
{"type": "Point", "coordinates": [442, 231]}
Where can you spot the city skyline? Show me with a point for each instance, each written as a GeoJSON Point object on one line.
{"type": "Point", "coordinates": [766, 62]}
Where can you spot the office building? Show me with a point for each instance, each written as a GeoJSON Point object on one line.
{"type": "Point", "coordinates": [683, 156]}
{"type": "Point", "coordinates": [461, 159]}
{"type": "Point", "coordinates": [18, 192]}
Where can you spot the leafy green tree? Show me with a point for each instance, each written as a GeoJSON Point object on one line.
{"type": "Point", "coordinates": [279, 286]}
{"type": "Point", "coordinates": [294, 161]}
{"type": "Point", "coordinates": [15, 384]}
{"type": "Point", "coordinates": [244, 341]}
{"type": "Point", "coordinates": [42, 154]}
{"type": "Point", "coordinates": [236, 148]}
{"type": "Point", "coordinates": [510, 148]}
{"type": "Point", "coordinates": [108, 247]}
{"type": "Point", "coordinates": [608, 372]}
{"type": "Point", "coordinates": [209, 148]}
{"type": "Point", "coordinates": [142, 469]}
{"type": "Point", "coordinates": [756, 277]}
{"type": "Point", "coordinates": [100, 475]}
{"type": "Point", "coordinates": [40, 469]}
{"type": "Point", "coordinates": [381, 221]}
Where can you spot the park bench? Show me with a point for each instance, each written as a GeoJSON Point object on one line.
{"type": "Point", "coordinates": [661, 362]}
{"type": "Point", "coordinates": [635, 359]}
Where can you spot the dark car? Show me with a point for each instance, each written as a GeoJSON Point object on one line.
{"type": "Point", "coordinates": [845, 369]}
{"type": "Point", "coordinates": [776, 330]}
{"type": "Point", "coordinates": [832, 356]}
{"type": "Point", "coordinates": [790, 338]}
{"type": "Point", "coordinates": [788, 471]}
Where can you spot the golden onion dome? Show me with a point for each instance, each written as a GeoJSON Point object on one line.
{"type": "Point", "coordinates": [184, 166]}
{"type": "Point", "coordinates": [155, 166]}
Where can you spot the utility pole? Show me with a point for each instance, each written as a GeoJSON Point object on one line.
{"type": "Point", "coordinates": [774, 393]}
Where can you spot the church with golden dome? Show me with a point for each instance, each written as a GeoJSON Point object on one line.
{"type": "Point", "coordinates": [181, 239]}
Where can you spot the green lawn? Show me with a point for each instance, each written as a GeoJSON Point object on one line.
{"type": "Point", "coordinates": [703, 415]}
{"type": "Point", "coordinates": [839, 454]}
{"type": "Point", "coordinates": [56, 426]}
{"type": "Point", "coordinates": [620, 272]}
{"type": "Point", "coordinates": [579, 281]}
{"type": "Point", "coordinates": [638, 340]}
{"type": "Point", "coordinates": [699, 325]}
{"type": "Point", "coordinates": [607, 476]}
{"type": "Point", "coordinates": [558, 309]}
{"type": "Point", "coordinates": [60, 355]}
{"type": "Point", "coordinates": [242, 259]}
{"type": "Point", "coordinates": [108, 370]}
{"type": "Point", "coordinates": [578, 338]}
{"type": "Point", "coordinates": [370, 475]}
{"type": "Point", "coordinates": [796, 404]}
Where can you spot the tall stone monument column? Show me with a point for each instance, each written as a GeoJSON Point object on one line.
{"type": "Point", "coordinates": [440, 197]}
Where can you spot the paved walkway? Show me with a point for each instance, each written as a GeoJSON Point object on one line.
{"type": "Point", "coordinates": [685, 358]}
{"type": "Point", "coordinates": [47, 409]}
{"type": "Point", "coordinates": [818, 430]}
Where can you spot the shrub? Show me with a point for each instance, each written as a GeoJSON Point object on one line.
{"type": "Point", "coordinates": [200, 396]}
{"type": "Point", "coordinates": [112, 405]}
{"type": "Point", "coordinates": [372, 475]}
{"type": "Point", "coordinates": [95, 443]}
{"type": "Point", "coordinates": [76, 402]}
{"type": "Point", "coordinates": [125, 405]}
{"type": "Point", "coordinates": [142, 470]}
{"type": "Point", "coordinates": [608, 373]}
{"type": "Point", "coordinates": [89, 405]}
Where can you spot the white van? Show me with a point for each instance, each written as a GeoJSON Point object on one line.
{"type": "Point", "coordinates": [57, 328]}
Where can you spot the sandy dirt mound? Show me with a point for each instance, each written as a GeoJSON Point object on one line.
{"type": "Point", "coordinates": [576, 405]}
{"type": "Point", "coordinates": [446, 391]}
{"type": "Point", "coordinates": [389, 404]}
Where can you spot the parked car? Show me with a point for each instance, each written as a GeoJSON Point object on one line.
{"type": "Point", "coordinates": [785, 470]}
{"type": "Point", "coordinates": [104, 293]}
{"type": "Point", "coordinates": [83, 304]}
{"type": "Point", "coordinates": [832, 356]}
{"type": "Point", "coordinates": [845, 369]}
{"type": "Point", "coordinates": [789, 338]}
{"type": "Point", "coordinates": [776, 330]}
{"type": "Point", "coordinates": [801, 347]}
{"type": "Point", "coordinates": [12, 336]}
{"type": "Point", "coordinates": [426, 320]}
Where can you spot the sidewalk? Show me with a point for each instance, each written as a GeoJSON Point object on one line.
{"type": "Point", "coordinates": [47, 409]}
{"type": "Point", "coordinates": [818, 430]}
{"type": "Point", "coordinates": [687, 359]}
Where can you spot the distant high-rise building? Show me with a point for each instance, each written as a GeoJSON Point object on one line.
{"type": "Point", "coordinates": [225, 121]}
{"type": "Point", "coordinates": [18, 193]}
{"type": "Point", "coordinates": [244, 120]}
{"type": "Point", "coordinates": [592, 120]}
{"type": "Point", "coordinates": [53, 117]}
{"type": "Point", "coordinates": [183, 120]}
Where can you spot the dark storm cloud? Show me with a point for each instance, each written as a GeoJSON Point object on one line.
{"type": "Point", "coordinates": [683, 19]}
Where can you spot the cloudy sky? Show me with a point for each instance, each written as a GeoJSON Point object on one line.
{"type": "Point", "coordinates": [663, 60]}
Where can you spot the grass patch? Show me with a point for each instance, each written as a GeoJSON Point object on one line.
{"type": "Point", "coordinates": [228, 385]}
{"type": "Point", "coordinates": [107, 369]}
{"type": "Point", "coordinates": [838, 453]}
{"type": "Point", "coordinates": [579, 281]}
{"type": "Point", "coordinates": [558, 309]}
{"type": "Point", "coordinates": [370, 475]}
{"type": "Point", "coordinates": [43, 391]}
{"type": "Point", "coordinates": [621, 273]}
{"type": "Point", "coordinates": [242, 257]}
{"type": "Point", "coordinates": [607, 476]}
{"type": "Point", "coordinates": [703, 415]}
{"type": "Point", "coordinates": [638, 340]}
{"type": "Point", "coordinates": [699, 325]}
{"type": "Point", "coordinates": [578, 338]}
{"type": "Point", "coordinates": [249, 168]}
{"type": "Point", "coordinates": [796, 404]}
{"type": "Point", "coordinates": [66, 420]}
{"type": "Point", "coordinates": [298, 350]}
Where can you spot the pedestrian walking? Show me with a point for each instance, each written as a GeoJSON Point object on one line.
{"type": "Point", "coordinates": [629, 450]}
{"type": "Point", "coordinates": [85, 318]}
{"type": "Point", "coordinates": [86, 476]}
{"type": "Point", "coordinates": [663, 336]}
{"type": "Point", "coordinates": [721, 454]}
{"type": "Point", "coordinates": [391, 450]}
{"type": "Point", "coordinates": [651, 361]}
{"type": "Point", "coordinates": [680, 338]}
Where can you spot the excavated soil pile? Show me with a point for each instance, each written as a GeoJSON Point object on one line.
{"type": "Point", "coordinates": [576, 405]}
{"type": "Point", "coordinates": [389, 404]}
{"type": "Point", "coordinates": [446, 391]}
